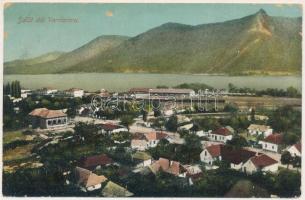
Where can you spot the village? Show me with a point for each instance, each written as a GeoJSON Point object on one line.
{"type": "Point", "coordinates": [151, 141]}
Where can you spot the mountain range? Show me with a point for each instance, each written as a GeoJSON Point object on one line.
{"type": "Point", "coordinates": [255, 44]}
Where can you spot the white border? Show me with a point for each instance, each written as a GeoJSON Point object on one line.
{"type": "Point", "coordinates": [2, 2]}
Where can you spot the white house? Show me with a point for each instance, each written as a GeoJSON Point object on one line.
{"type": "Point", "coordinates": [295, 150]}
{"type": "Point", "coordinates": [112, 128]}
{"type": "Point", "coordinates": [272, 143]}
{"type": "Point", "coordinates": [211, 154]}
{"type": "Point", "coordinates": [220, 135]}
{"type": "Point", "coordinates": [75, 92]}
{"type": "Point", "coordinates": [236, 157]}
{"type": "Point", "coordinates": [25, 93]}
{"type": "Point", "coordinates": [139, 144]}
{"type": "Point", "coordinates": [48, 119]}
{"type": "Point", "coordinates": [255, 129]}
{"type": "Point", "coordinates": [86, 180]}
{"type": "Point", "coordinates": [260, 162]}
{"type": "Point", "coordinates": [46, 91]}
{"type": "Point", "coordinates": [143, 141]}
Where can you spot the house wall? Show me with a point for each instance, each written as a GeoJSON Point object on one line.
{"type": "Point", "coordinates": [49, 123]}
{"type": "Point", "coordinates": [139, 146]}
{"type": "Point", "coordinates": [153, 143]}
{"type": "Point", "coordinates": [220, 138]}
{"type": "Point", "coordinates": [236, 166]}
{"type": "Point", "coordinates": [147, 162]}
{"type": "Point", "coordinates": [248, 167]}
{"type": "Point", "coordinates": [259, 132]}
{"type": "Point", "coordinates": [120, 130]}
{"type": "Point", "coordinates": [272, 168]}
{"type": "Point", "coordinates": [94, 187]}
{"type": "Point", "coordinates": [206, 157]}
{"type": "Point", "coordinates": [269, 146]}
{"type": "Point", "coordinates": [78, 93]}
{"type": "Point", "coordinates": [186, 127]}
{"type": "Point", "coordinates": [293, 151]}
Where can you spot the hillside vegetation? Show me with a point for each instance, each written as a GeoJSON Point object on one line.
{"type": "Point", "coordinates": [255, 44]}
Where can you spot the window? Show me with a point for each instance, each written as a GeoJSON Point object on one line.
{"type": "Point", "coordinates": [205, 153]}
{"type": "Point", "coordinates": [54, 121]}
{"type": "Point", "coordinates": [272, 147]}
{"type": "Point", "coordinates": [265, 145]}
{"type": "Point", "coordinates": [49, 122]}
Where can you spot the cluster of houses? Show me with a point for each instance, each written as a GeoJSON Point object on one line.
{"type": "Point", "coordinates": [239, 159]}
{"type": "Point", "coordinates": [86, 180]}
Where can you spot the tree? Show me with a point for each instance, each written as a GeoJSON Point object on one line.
{"type": "Point", "coordinates": [290, 138]}
{"type": "Point", "coordinates": [144, 115]}
{"type": "Point", "coordinates": [192, 147]}
{"type": "Point", "coordinates": [238, 142]}
{"type": "Point", "coordinates": [292, 92]}
{"type": "Point", "coordinates": [86, 132]}
{"type": "Point", "coordinates": [7, 89]}
{"type": "Point", "coordinates": [288, 183]}
{"type": "Point", "coordinates": [127, 120]}
{"type": "Point", "coordinates": [231, 108]}
{"type": "Point", "coordinates": [252, 115]}
{"type": "Point", "coordinates": [296, 161]}
{"type": "Point", "coordinates": [172, 123]}
{"type": "Point", "coordinates": [286, 158]}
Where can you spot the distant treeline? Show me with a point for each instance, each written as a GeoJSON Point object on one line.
{"type": "Point", "coordinates": [289, 92]}
{"type": "Point", "coordinates": [194, 86]}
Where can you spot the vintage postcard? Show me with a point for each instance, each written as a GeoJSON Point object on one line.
{"type": "Point", "coordinates": [152, 99]}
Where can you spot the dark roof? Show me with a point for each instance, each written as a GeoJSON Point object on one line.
{"type": "Point", "coordinates": [222, 131]}
{"type": "Point", "coordinates": [138, 136]}
{"type": "Point", "coordinates": [96, 160]}
{"type": "Point", "coordinates": [262, 160]}
{"type": "Point", "coordinates": [274, 138]}
{"type": "Point", "coordinates": [298, 146]}
{"type": "Point", "coordinates": [110, 127]}
{"type": "Point", "coordinates": [236, 156]}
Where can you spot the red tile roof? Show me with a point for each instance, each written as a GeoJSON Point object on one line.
{"type": "Point", "coordinates": [262, 161]}
{"type": "Point", "coordinates": [45, 113]}
{"type": "Point", "coordinates": [155, 136]}
{"type": "Point", "coordinates": [86, 178]}
{"type": "Point", "coordinates": [172, 167]}
{"type": "Point", "coordinates": [94, 161]}
{"type": "Point", "coordinates": [230, 154]}
{"type": "Point", "coordinates": [274, 138]}
{"type": "Point", "coordinates": [215, 150]}
{"type": "Point", "coordinates": [110, 127]}
{"type": "Point", "coordinates": [222, 131]}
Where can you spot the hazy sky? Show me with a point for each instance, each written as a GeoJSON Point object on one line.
{"type": "Point", "coordinates": [31, 38]}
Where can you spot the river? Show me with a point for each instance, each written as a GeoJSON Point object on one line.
{"type": "Point", "coordinates": [123, 81]}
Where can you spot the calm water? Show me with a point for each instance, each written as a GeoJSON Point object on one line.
{"type": "Point", "coordinates": [124, 81]}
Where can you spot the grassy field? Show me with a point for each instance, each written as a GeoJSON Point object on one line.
{"type": "Point", "coordinates": [18, 153]}
{"type": "Point", "coordinates": [263, 101]}
{"type": "Point", "coordinates": [9, 137]}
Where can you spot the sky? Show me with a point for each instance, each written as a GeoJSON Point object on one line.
{"type": "Point", "coordinates": [30, 29]}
